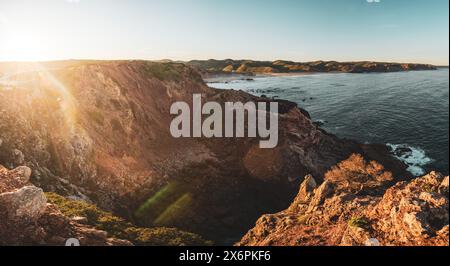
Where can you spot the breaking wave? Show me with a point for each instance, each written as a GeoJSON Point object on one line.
{"type": "Point", "coordinates": [414, 157]}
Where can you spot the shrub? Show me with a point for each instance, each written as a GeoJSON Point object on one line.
{"type": "Point", "coordinates": [164, 71]}
{"type": "Point", "coordinates": [163, 236]}
{"type": "Point", "coordinates": [428, 188]}
{"type": "Point", "coordinates": [72, 208]}
{"type": "Point", "coordinates": [359, 221]}
{"type": "Point", "coordinates": [120, 228]}
{"type": "Point", "coordinates": [355, 173]}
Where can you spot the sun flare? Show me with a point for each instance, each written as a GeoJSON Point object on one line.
{"type": "Point", "coordinates": [24, 45]}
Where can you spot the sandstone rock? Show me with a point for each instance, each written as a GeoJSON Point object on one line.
{"type": "Point", "coordinates": [415, 212]}
{"type": "Point", "coordinates": [27, 219]}
{"type": "Point", "coordinates": [118, 242]}
{"type": "Point", "coordinates": [443, 187]}
{"type": "Point", "coordinates": [320, 194]}
{"type": "Point", "coordinates": [22, 174]}
{"type": "Point", "coordinates": [118, 152]}
{"type": "Point", "coordinates": [307, 188]}
{"type": "Point", "coordinates": [411, 216]}
{"type": "Point", "coordinates": [372, 242]}
{"type": "Point", "coordinates": [355, 236]}
{"type": "Point", "coordinates": [17, 178]}
{"type": "Point", "coordinates": [27, 203]}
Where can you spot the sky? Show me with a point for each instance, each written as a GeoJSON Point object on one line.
{"type": "Point", "coordinates": [298, 30]}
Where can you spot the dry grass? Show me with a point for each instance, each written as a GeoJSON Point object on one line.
{"type": "Point", "coordinates": [356, 174]}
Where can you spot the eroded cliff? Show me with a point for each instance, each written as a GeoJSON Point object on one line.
{"type": "Point", "coordinates": [98, 131]}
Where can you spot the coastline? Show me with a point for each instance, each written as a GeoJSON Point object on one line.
{"type": "Point", "coordinates": [290, 74]}
{"type": "Point", "coordinates": [225, 78]}
{"type": "Point", "coordinates": [420, 156]}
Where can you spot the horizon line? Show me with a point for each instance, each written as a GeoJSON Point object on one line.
{"type": "Point", "coordinates": [224, 59]}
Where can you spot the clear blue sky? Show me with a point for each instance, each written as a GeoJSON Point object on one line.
{"type": "Point", "coordinates": [300, 30]}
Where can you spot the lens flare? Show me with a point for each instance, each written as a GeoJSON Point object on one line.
{"type": "Point", "coordinates": [36, 75]}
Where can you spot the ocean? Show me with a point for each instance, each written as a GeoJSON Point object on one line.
{"type": "Point", "coordinates": [408, 111]}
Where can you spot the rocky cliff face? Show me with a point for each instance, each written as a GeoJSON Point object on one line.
{"type": "Point", "coordinates": [32, 217]}
{"type": "Point", "coordinates": [355, 205]}
{"type": "Point", "coordinates": [99, 132]}
{"type": "Point", "coordinates": [27, 218]}
{"type": "Point", "coordinates": [208, 67]}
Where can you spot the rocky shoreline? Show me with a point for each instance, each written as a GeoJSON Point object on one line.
{"type": "Point", "coordinates": [98, 132]}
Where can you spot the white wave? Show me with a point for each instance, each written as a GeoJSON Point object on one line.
{"type": "Point", "coordinates": [414, 157]}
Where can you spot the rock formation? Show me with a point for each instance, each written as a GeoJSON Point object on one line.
{"type": "Point", "coordinates": [356, 205]}
{"type": "Point", "coordinates": [98, 131]}
{"type": "Point", "coordinates": [27, 218]}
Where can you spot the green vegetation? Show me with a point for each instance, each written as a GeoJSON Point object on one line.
{"type": "Point", "coordinates": [249, 66]}
{"type": "Point", "coordinates": [428, 188]}
{"type": "Point", "coordinates": [163, 236]}
{"type": "Point", "coordinates": [164, 71]}
{"type": "Point", "coordinates": [120, 228]}
{"type": "Point", "coordinates": [358, 221]}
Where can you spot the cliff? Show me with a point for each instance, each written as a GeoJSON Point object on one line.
{"type": "Point", "coordinates": [98, 131]}
{"type": "Point", "coordinates": [250, 67]}
{"type": "Point", "coordinates": [27, 218]}
{"type": "Point", "coordinates": [32, 217]}
{"type": "Point", "coordinates": [355, 205]}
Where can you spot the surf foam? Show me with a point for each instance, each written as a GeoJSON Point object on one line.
{"type": "Point", "coordinates": [414, 157]}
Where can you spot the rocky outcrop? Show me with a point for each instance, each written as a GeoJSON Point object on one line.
{"type": "Point", "coordinates": [27, 218]}
{"type": "Point", "coordinates": [357, 205]}
{"type": "Point", "coordinates": [211, 67]}
{"type": "Point", "coordinates": [99, 131]}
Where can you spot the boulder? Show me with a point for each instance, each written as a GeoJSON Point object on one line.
{"type": "Point", "coordinates": [27, 203]}
{"type": "Point", "coordinates": [22, 174]}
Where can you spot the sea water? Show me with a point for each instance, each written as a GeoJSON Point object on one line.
{"type": "Point", "coordinates": [408, 111]}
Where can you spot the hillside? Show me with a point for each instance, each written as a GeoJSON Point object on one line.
{"type": "Point", "coordinates": [250, 67]}
{"type": "Point", "coordinates": [98, 131]}
{"type": "Point", "coordinates": [32, 217]}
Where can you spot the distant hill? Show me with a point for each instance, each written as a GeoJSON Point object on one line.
{"type": "Point", "coordinates": [251, 67]}
{"type": "Point", "coordinates": [99, 131]}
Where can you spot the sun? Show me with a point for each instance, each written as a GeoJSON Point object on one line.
{"type": "Point", "coordinates": [24, 45]}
